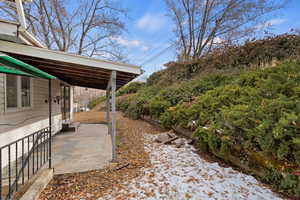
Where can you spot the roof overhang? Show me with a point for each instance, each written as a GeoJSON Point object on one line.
{"type": "Point", "coordinates": [73, 69]}
{"type": "Point", "coordinates": [16, 65]}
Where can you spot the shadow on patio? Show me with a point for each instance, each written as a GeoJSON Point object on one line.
{"type": "Point", "coordinates": [87, 149]}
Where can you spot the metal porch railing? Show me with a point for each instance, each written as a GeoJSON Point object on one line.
{"type": "Point", "coordinates": [21, 159]}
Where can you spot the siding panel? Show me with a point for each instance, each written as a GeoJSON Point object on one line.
{"type": "Point", "coordinates": [39, 108]}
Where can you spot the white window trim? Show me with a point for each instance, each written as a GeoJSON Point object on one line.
{"type": "Point", "coordinates": [19, 107]}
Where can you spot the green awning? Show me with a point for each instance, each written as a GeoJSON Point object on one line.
{"type": "Point", "coordinates": [9, 70]}
{"type": "Point", "coordinates": [24, 67]}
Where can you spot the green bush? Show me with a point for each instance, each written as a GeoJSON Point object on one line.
{"type": "Point", "coordinates": [137, 105]}
{"type": "Point", "coordinates": [130, 88]}
{"type": "Point", "coordinates": [254, 113]}
{"type": "Point", "coordinates": [96, 101]}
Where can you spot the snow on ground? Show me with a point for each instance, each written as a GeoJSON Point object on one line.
{"type": "Point", "coordinates": [179, 173]}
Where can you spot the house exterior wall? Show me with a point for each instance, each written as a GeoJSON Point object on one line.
{"type": "Point", "coordinates": [26, 122]}
{"type": "Point", "coordinates": [30, 120]}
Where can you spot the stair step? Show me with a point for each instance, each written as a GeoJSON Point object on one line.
{"type": "Point", "coordinates": [70, 127]}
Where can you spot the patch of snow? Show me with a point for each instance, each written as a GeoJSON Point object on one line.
{"type": "Point", "coordinates": [179, 173]}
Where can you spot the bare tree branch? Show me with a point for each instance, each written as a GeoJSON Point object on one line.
{"type": "Point", "coordinates": [200, 23]}
{"type": "Point", "coordinates": [86, 28]}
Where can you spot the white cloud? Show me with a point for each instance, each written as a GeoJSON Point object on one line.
{"type": "Point", "coordinates": [217, 40]}
{"type": "Point", "coordinates": [151, 22]}
{"type": "Point", "coordinates": [270, 23]}
{"type": "Point", "coordinates": [127, 43]}
{"type": "Point", "coordinates": [131, 43]}
{"type": "Point", "coordinates": [145, 48]}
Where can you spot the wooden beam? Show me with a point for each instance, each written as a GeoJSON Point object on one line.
{"type": "Point", "coordinates": [56, 69]}
{"type": "Point", "coordinates": [72, 74]}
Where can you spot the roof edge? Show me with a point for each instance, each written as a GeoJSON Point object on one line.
{"type": "Point", "coordinates": [13, 48]}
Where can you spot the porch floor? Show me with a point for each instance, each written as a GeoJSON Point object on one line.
{"type": "Point", "coordinates": [87, 149]}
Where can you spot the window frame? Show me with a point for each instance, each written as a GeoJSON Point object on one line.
{"type": "Point", "coordinates": [19, 96]}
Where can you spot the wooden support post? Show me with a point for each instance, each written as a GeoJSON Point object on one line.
{"type": "Point", "coordinates": [114, 115]}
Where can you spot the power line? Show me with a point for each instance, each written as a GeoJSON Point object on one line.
{"type": "Point", "coordinates": [157, 55]}
{"type": "Point", "coordinates": [164, 50]}
{"type": "Point", "coordinates": [150, 52]}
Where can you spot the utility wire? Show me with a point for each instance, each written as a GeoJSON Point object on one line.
{"type": "Point", "coordinates": [164, 50]}
{"type": "Point", "coordinates": [158, 54]}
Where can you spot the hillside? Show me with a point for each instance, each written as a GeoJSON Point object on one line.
{"type": "Point", "coordinates": [234, 59]}
{"type": "Point", "coordinates": [246, 113]}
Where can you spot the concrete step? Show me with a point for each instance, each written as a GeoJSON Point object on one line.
{"type": "Point", "coordinates": [70, 126]}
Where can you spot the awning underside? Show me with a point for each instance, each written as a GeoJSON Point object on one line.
{"type": "Point", "coordinates": [78, 75]}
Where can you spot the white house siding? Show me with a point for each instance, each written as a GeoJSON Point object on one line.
{"type": "Point", "coordinates": [8, 28]}
{"type": "Point", "coordinates": [25, 122]}
{"type": "Point", "coordinates": [31, 120]}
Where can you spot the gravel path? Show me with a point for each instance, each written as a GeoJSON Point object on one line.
{"type": "Point", "coordinates": [179, 173]}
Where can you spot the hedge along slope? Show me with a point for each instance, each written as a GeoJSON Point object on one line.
{"type": "Point", "coordinates": [253, 117]}
{"type": "Point", "coordinates": [260, 53]}
{"type": "Point", "coordinates": [130, 88]}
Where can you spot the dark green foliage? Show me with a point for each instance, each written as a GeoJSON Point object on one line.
{"type": "Point", "coordinates": [254, 112]}
{"type": "Point", "coordinates": [136, 106]}
{"type": "Point", "coordinates": [130, 88]}
{"type": "Point", "coordinates": [127, 89]}
{"type": "Point", "coordinates": [96, 101]}
{"type": "Point", "coordinates": [159, 99]}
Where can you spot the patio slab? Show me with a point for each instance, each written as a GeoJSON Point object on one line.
{"type": "Point", "coordinates": [87, 149]}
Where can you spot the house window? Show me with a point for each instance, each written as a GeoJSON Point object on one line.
{"type": "Point", "coordinates": [25, 92]}
{"type": "Point", "coordinates": [11, 91]}
{"type": "Point", "coordinates": [18, 92]}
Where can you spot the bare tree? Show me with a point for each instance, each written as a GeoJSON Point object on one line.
{"type": "Point", "coordinates": [84, 27]}
{"type": "Point", "coordinates": [201, 24]}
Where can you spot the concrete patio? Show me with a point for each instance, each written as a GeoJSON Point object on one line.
{"type": "Point", "coordinates": [87, 149]}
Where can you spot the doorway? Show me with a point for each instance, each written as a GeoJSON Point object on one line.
{"type": "Point", "coordinates": [65, 102]}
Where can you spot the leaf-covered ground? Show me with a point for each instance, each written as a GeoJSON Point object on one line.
{"type": "Point", "coordinates": [93, 184]}
{"type": "Point", "coordinates": [154, 172]}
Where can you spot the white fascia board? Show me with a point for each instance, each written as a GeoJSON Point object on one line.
{"type": "Point", "coordinates": [8, 28]}
{"type": "Point", "coordinates": [30, 38]}
{"type": "Point", "coordinates": [60, 56]}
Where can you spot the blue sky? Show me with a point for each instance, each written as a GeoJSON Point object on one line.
{"type": "Point", "coordinates": [150, 31]}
